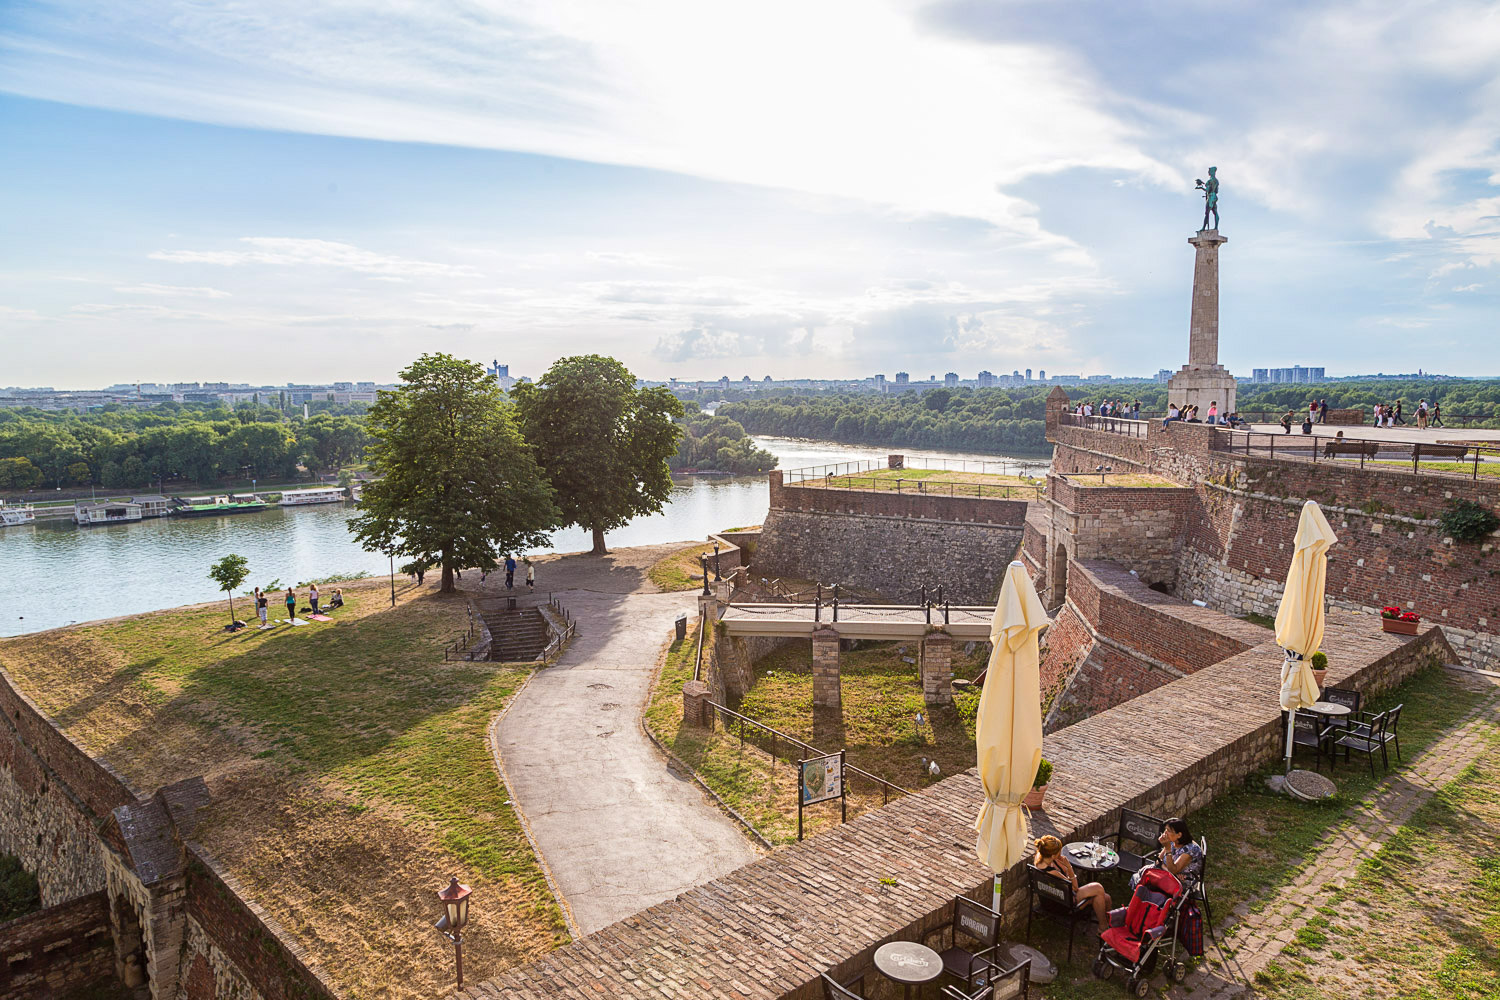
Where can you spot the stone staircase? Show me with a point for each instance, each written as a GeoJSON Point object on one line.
{"type": "Point", "coordinates": [516, 636]}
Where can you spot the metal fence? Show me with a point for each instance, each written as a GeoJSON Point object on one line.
{"type": "Point", "coordinates": [1415, 457]}
{"type": "Point", "coordinates": [729, 719]}
{"type": "Point", "coordinates": [1114, 425]}
{"type": "Point", "coordinates": [879, 478]}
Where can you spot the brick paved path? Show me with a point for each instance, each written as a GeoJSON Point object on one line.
{"type": "Point", "coordinates": [1258, 940]}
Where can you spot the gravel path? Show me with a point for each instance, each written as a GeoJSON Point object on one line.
{"type": "Point", "coordinates": [618, 830]}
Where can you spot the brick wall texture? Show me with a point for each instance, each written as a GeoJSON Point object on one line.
{"type": "Point", "coordinates": [766, 931]}
{"type": "Point", "coordinates": [57, 951]}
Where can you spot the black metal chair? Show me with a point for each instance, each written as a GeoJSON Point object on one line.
{"type": "Point", "coordinates": [1051, 895]}
{"type": "Point", "coordinates": [834, 990]}
{"type": "Point", "coordinates": [1392, 736]}
{"type": "Point", "coordinates": [1012, 984]}
{"type": "Point", "coordinates": [1199, 890]}
{"type": "Point", "coordinates": [1139, 829]}
{"type": "Point", "coordinates": [1348, 697]}
{"type": "Point", "coordinates": [1314, 732]}
{"type": "Point", "coordinates": [977, 923]}
{"type": "Point", "coordinates": [1366, 737]}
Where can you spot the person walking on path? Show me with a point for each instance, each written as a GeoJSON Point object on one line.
{"type": "Point", "coordinates": [312, 598]}
{"type": "Point", "coordinates": [261, 605]}
{"type": "Point", "coordinates": [1398, 414]}
{"type": "Point", "coordinates": [510, 572]}
{"type": "Point", "coordinates": [1286, 422]}
{"type": "Point", "coordinates": [530, 576]}
{"type": "Point", "coordinates": [291, 603]}
{"type": "Point", "coordinates": [1421, 414]}
{"type": "Point", "coordinates": [1437, 415]}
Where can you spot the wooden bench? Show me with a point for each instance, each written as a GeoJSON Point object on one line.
{"type": "Point", "coordinates": [1458, 451]}
{"type": "Point", "coordinates": [1369, 449]}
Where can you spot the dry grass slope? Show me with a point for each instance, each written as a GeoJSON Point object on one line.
{"type": "Point", "coordinates": [348, 763]}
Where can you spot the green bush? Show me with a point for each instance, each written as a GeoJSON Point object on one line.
{"type": "Point", "coordinates": [1468, 521]}
{"type": "Point", "coordinates": [1043, 773]}
{"type": "Point", "coordinates": [19, 892]}
{"type": "Point", "coordinates": [1319, 661]}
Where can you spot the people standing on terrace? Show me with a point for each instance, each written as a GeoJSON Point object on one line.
{"type": "Point", "coordinates": [1397, 414]}
{"type": "Point", "coordinates": [1421, 414]}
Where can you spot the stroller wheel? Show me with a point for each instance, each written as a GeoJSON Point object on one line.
{"type": "Point", "coordinates": [1102, 968]}
{"type": "Point", "coordinates": [1140, 987]}
{"type": "Point", "coordinates": [1177, 971]}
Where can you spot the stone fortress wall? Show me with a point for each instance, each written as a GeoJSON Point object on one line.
{"type": "Point", "coordinates": [127, 894]}
{"type": "Point", "coordinates": [888, 542]}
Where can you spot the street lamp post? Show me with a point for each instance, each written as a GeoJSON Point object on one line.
{"type": "Point", "coordinates": [703, 561]}
{"type": "Point", "coordinates": [455, 899]}
{"type": "Point", "coordinates": [717, 576]}
{"type": "Point", "coordinates": [393, 578]}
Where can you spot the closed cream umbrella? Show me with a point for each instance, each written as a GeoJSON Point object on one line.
{"type": "Point", "coordinates": [1299, 619]}
{"type": "Point", "coordinates": [1008, 729]}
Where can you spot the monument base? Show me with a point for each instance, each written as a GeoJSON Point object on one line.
{"type": "Point", "coordinates": [1202, 386]}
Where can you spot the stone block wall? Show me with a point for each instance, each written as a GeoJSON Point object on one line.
{"type": "Point", "coordinates": [889, 503]}
{"type": "Point", "coordinates": [888, 554]}
{"type": "Point", "coordinates": [53, 796]}
{"type": "Point", "coordinates": [234, 950]}
{"type": "Point", "coordinates": [1142, 527]}
{"type": "Point", "coordinates": [57, 951]}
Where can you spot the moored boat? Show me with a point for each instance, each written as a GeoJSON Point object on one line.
{"type": "Point", "coordinates": [321, 494]}
{"type": "Point", "coordinates": [213, 506]}
{"type": "Point", "coordinates": [14, 513]}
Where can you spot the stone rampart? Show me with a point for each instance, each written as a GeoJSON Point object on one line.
{"type": "Point", "coordinates": [767, 930]}
{"type": "Point", "coordinates": [58, 951]}
{"type": "Point", "coordinates": [889, 543]}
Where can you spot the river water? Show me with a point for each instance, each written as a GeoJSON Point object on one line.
{"type": "Point", "coordinates": [54, 573]}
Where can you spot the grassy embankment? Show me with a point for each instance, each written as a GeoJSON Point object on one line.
{"type": "Point", "coordinates": [1260, 841]}
{"type": "Point", "coordinates": [882, 695]}
{"type": "Point", "coordinates": [937, 481]}
{"type": "Point", "coordinates": [348, 763]}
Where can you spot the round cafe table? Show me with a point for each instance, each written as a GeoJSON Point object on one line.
{"type": "Point", "coordinates": [1091, 856]}
{"type": "Point", "coordinates": [908, 963]}
{"type": "Point", "coordinates": [1329, 710]}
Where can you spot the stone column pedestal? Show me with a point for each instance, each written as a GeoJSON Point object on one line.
{"type": "Point", "coordinates": [937, 668]}
{"type": "Point", "coordinates": [695, 709]}
{"type": "Point", "coordinates": [1203, 381]}
{"type": "Point", "coordinates": [827, 691]}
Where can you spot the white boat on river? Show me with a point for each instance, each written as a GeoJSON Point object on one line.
{"type": "Point", "coordinates": [322, 494]}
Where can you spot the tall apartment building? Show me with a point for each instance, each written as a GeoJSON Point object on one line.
{"type": "Point", "coordinates": [985, 380]}
{"type": "Point", "coordinates": [950, 379]}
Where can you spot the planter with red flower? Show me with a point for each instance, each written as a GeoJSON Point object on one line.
{"type": "Point", "coordinates": [1398, 621]}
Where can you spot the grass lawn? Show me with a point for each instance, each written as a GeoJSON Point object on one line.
{"type": "Point", "coordinates": [1422, 917]}
{"type": "Point", "coordinates": [1259, 841]}
{"type": "Point", "coordinates": [1137, 480]}
{"type": "Point", "coordinates": [1463, 468]}
{"type": "Point", "coordinates": [882, 696]}
{"type": "Point", "coordinates": [939, 481]}
{"type": "Point", "coordinates": [348, 763]}
{"type": "Point", "coordinates": [676, 571]}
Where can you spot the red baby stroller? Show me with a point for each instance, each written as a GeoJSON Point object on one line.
{"type": "Point", "coordinates": [1139, 931]}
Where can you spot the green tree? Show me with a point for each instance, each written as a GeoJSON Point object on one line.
{"type": "Point", "coordinates": [603, 442]}
{"type": "Point", "coordinates": [459, 486]}
{"type": "Point", "coordinates": [229, 573]}
{"type": "Point", "coordinates": [18, 473]}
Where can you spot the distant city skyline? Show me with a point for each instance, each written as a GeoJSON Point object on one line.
{"type": "Point", "coordinates": [935, 186]}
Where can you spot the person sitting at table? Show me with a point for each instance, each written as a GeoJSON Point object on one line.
{"type": "Point", "coordinates": [1049, 857]}
{"type": "Point", "coordinates": [1179, 855]}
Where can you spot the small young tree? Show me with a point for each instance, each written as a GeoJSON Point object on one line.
{"type": "Point", "coordinates": [229, 573]}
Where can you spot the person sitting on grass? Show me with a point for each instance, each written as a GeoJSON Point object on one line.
{"type": "Point", "coordinates": [337, 601]}
{"type": "Point", "coordinates": [1049, 857]}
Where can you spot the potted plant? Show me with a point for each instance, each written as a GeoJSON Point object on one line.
{"type": "Point", "coordinates": [1398, 621]}
{"type": "Point", "coordinates": [1033, 799]}
{"type": "Point", "coordinates": [1319, 667]}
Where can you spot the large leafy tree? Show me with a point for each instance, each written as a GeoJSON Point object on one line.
{"type": "Point", "coordinates": [458, 485]}
{"type": "Point", "coordinates": [603, 442]}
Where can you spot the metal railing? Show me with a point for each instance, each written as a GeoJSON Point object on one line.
{"type": "Point", "coordinates": [884, 480]}
{"type": "Point", "coordinates": [1380, 456]}
{"type": "Point", "coordinates": [1114, 425]}
{"type": "Point", "coordinates": [728, 717]}
{"type": "Point", "coordinates": [559, 636]}
{"type": "Point", "coordinates": [457, 649]}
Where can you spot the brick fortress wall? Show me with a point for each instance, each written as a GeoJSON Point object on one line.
{"type": "Point", "coordinates": [1237, 528]}
{"type": "Point", "coordinates": [890, 543]}
{"type": "Point", "coordinates": [58, 814]}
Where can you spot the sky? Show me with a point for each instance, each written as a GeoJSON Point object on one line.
{"type": "Point", "coordinates": [276, 192]}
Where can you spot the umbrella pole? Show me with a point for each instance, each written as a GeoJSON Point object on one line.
{"type": "Point", "coordinates": [1291, 720]}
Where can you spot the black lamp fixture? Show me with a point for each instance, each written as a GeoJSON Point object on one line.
{"type": "Point", "coordinates": [1102, 469]}
{"type": "Point", "coordinates": [703, 561]}
{"type": "Point", "coordinates": [717, 576]}
{"type": "Point", "coordinates": [455, 900]}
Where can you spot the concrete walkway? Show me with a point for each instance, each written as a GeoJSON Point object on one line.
{"type": "Point", "coordinates": [618, 830]}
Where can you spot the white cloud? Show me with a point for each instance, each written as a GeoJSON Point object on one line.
{"type": "Point", "coordinates": [172, 290]}
{"type": "Point", "coordinates": [285, 252]}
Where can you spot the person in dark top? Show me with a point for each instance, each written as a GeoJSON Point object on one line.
{"type": "Point", "coordinates": [291, 603]}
